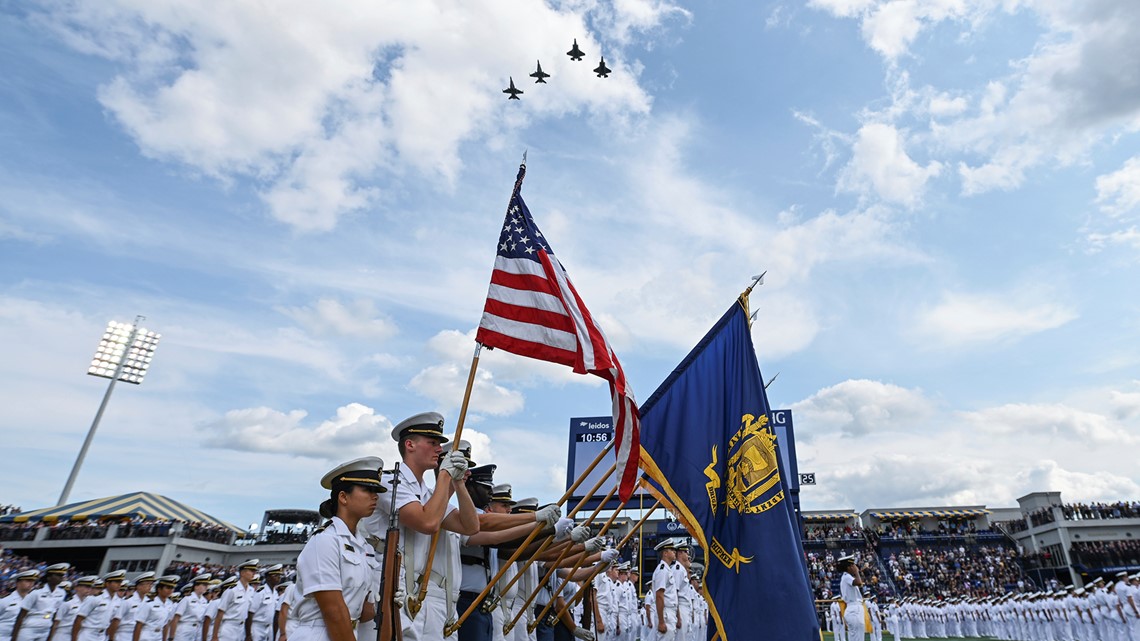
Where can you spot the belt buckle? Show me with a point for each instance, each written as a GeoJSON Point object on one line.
{"type": "Point", "coordinates": [489, 604]}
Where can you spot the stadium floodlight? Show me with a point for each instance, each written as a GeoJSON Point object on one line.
{"type": "Point", "coordinates": [124, 354]}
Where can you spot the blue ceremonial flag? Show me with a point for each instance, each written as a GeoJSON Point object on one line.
{"type": "Point", "coordinates": [712, 456]}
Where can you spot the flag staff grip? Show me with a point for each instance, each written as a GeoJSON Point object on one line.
{"type": "Point", "coordinates": [538, 530]}
{"type": "Point", "coordinates": [577, 564]}
{"type": "Point", "coordinates": [598, 568]}
{"type": "Point", "coordinates": [561, 556]}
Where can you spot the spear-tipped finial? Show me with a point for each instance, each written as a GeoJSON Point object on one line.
{"type": "Point", "coordinates": [771, 380]}
{"type": "Point", "coordinates": [524, 158]}
{"type": "Point", "coordinates": [756, 280]}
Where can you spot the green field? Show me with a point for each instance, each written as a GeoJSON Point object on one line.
{"type": "Point", "coordinates": [888, 637]}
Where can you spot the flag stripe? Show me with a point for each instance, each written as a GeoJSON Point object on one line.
{"type": "Point", "coordinates": [573, 306]}
{"type": "Point", "coordinates": [528, 332]}
{"type": "Point", "coordinates": [541, 351]}
{"type": "Point", "coordinates": [558, 322]}
{"type": "Point", "coordinates": [529, 299]}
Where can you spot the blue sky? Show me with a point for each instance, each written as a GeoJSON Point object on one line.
{"type": "Point", "coordinates": [305, 203]}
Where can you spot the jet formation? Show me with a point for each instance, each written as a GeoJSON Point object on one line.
{"type": "Point", "coordinates": [576, 54]}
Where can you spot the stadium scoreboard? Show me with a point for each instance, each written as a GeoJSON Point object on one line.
{"type": "Point", "coordinates": [589, 435]}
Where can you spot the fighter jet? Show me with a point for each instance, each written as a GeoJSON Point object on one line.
{"type": "Point", "coordinates": [511, 90]}
{"type": "Point", "coordinates": [575, 53]}
{"type": "Point", "coordinates": [540, 75]}
{"type": "Point", "coordinates": [603, 71]}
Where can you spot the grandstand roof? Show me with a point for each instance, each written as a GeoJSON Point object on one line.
{"type": "Point", "coordinates": [829, 516]}
{"type": "Point", "coordinates": [889, 515]}
{"type": "Point", "coordinates": [135, 505]}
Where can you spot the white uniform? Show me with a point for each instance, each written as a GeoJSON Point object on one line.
{"type": "Point", "coordinates": [335, 559]}
{"type": "Point", "coordinates": [233, 608]}
{"type": "Point", "coordinates": [65, 617]}
{"type": "Point", "coordinates": [39, 612]}
{"type": "Point", "coordinates": [605, 593]}
{"type": "Point", "coordinates": [125, 612]}
{"type": "Point", "coordinates": [665, 581]}
{"type": "Point", "coordinates": [151, 618]}
{"type": "Point", "coordinates": [684, 601]}
{"type": "Point", "coordinates": [190, 611]}
{"type": "Point", "coordinates": [429, 622]}
{"type": "Point", "coordinates": [97, 611]}
{"type": "Point", "coordinates": [210, 615]}
{"type": "Point", "coordinates": [9, 610]}
{"type": "Point", "coordinates": [876, 622]}
{"type": "Point", "coordinates": [263, 606]}
{"type": "Point", "coordinates": [835, 617]}
{"type": "Point", "coordinates": [853, 613]}
{"type": "Point", "coordinates": [291, 598]}
{"type": "Point", "coordinates": [626, 599]}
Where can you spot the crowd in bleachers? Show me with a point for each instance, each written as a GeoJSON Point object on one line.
{"type": "Point", "coordinates": [272, 538]}
{"type": "Point", "coordinates": [1041, 516]}
{"type": "Point", "coordinates": [1089, 511]}
{"type": "Point", "coordinates": [955, 570]}
{"type": "Point", "coordinates": [81, 530]}
{"type": "Point", "coordinates": [18, 531]}
{"type": "Point", "coordinates": [207, 532]}
{"type": "Point", "coordinates": [825, 579]}
{"type": "Point", "coordinates": [142, 528]}
{"type": "Point", "coordinates": [93, 529]}
{"type": "Point", "coordinates": [12, 564]}
{"type": "Point", "coordinates": [1105, 553]}
{"type": "Point", "coordinates": [832, 531]}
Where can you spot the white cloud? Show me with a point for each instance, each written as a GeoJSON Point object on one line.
{"type": "Point", "coordinates": [880, 165]}
{"type": "Point", "coordinates": [1124, 237]}
{"type": "Point", "coordinates": [1044, 420]}
{"type": "Point", "coordinates": [943, 104]}
{"type": "Point", "coordinates": [1079, 486]}
{"type": "Point", "coordinates": [860, 407]}
{"type": "Point", "coordinates": [1062, 98]}
{"type": "Point", "coordinates": [960, 319]}
{"type": "Point", "coordinates": [1119, 191]}
{"type": "Point", "coordinates": [446, 383]}
{"type": "Point", "coordinates": [356, 430]}
{"type": "Point", "coordinates": [890, 27]}
{"type": "Point", "coordinates": [310, 103]}
{"type": "Point", "coordinates": [358, 319]}
{"type": "Point", "coordinates": [1126, 405]}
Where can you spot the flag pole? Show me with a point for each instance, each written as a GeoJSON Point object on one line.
{"type": "Point", "coordinates": [415, 603]}
{"type": "Point", "coordinates": [561, 556]}
{"type": "Point", "coordinates": [577, 564]}
{"type": "Point", "coordinates": [598, 568]}
{"type": "Point", "coordinates": [534, 534]}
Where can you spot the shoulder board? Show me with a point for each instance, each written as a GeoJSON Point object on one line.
{"type": "Point", "coordinates": [324, 526]}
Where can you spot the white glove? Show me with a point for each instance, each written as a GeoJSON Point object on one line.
{"type": "Point", "coordinates": [399, 596]}
{"type": "Point", "coordinates": [580, 534]}
{"type": "Point", "coordinates": [583, 634]}
{"type": "Point", "coordinates": [609, 555]}
{"type": "Point", "coordinates": [548, 514]}
{"type": "Point", "coordinates": [454, 464]}
{"type": "Point", "coordinates": [563, 528]}
{"type": "Point", "coordinates": [596, 544]}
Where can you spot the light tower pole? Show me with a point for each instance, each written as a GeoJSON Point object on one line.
{"type": "Point", "coordinates": [124, 354]}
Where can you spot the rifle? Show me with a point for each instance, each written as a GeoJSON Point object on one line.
{"type": "Point", "coordinates": [388, 626]}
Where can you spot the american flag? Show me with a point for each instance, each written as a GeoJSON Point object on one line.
{"type": "Point", "coordinates": [533, 310]}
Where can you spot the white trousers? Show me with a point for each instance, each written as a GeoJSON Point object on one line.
{"type": "Point", "coordinates": [429, 622]}
{"type": "Point", "coordinates": [855, 625]}
{"type": "Point", "coordinates": [34, 632]}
